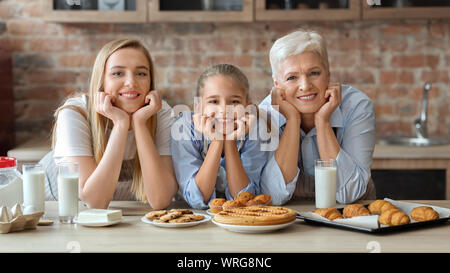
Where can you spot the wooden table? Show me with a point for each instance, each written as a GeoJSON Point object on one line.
{"type": "Point", "coordinates": [132, 235]}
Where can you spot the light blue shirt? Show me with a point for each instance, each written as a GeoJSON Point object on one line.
{"type": "Point", "coordinates": [188, 151]}
{"type": "Point", "coordinates": [354, 123]}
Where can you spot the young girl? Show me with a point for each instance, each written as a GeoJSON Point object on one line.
{"type": "Point", "coordinates": [118, 132]}
{"type": "Point", "coordinates": [212, 153]}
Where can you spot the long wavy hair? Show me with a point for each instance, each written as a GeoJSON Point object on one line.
{"type": "Point", "coordinates": [98, 123]}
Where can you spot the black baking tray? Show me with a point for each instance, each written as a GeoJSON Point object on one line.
{"type": "Point", "coordinates": [379, 230]}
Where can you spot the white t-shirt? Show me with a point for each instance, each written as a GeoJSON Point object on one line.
{"type": "Point", "coordinates": [73, 133]}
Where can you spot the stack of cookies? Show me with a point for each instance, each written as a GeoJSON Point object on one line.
{"type": "Point", "coordinates": [174, 216]}
{"type": "Point", "coordinates": [242, 200]}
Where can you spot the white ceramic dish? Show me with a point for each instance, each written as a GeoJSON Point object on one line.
{"type": "Point", "coordinates": [98, 224]}
{"type": "Point", "coordinates": [210, 212]}
{"type": "Point", "coordinates": [177, 225]}
{"type": "Point", "coordinates": [253, 229]}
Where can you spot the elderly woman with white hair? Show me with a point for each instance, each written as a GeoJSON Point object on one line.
{"type": "Point", "coordinates": [316, 120]}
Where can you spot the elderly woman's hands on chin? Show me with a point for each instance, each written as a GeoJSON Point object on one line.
{"type": "Point", "coordinates": [333, 97]}
{"type": "Point", "coordinates": [278, 97]}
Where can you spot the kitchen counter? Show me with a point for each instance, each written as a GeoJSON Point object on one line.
{"type": "Point", "coordinates": [414, 158]}
{"type": "Point", "coordinates": [384, 157]}
{"type": "Point", "coordinates": [132, 235]}
{"type": "Point", "coordinates": [410, 152]}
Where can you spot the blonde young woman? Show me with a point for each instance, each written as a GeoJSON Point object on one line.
{"type": "Point", "coordinates": [118, 133]}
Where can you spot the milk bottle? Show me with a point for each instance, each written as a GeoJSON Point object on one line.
{"type": "Point", "coordinates": [11, 186]}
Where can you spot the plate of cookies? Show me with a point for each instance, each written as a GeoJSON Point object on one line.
{"type": "Point", "coordinates": [255, 219]}
{"type": "Point", "coordinates": [243, 199]}
{"type": "Point", "coordinates": [175, 218]}
{"type": "Point", "coordinates": [379, 216]}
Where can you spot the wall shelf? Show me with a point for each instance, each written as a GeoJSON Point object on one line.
{"type": "Point", "coordinates": [353, 12]}
{"type": "Point", "coordinates": [157, 15]}
{"type": "Point", "coordinates": [374, 13]}
{"type": "Point", "coordinates": [252, 10]}
{"type": "Point", "coordinates": [96, 16]}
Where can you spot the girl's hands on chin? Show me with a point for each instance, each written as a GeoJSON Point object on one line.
{"type": "Point", "coordinates": [333, 97]}
{"type": "Point", "coordinates": [205, 125]}
{"type": "Point", "coordinates": [153, 103]}
{"type": "Point", "coordinates": [103, 104]}
{"type": "Point", "coordinates": [243, 126]}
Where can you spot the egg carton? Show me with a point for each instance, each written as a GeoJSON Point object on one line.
{"type": "Point", "coordinates": [14, 219]}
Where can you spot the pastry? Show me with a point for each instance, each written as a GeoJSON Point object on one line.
{"type": "Point", "coordinates": [155, 214]}
{"type": "Point", "coordinates": [231, 204]}
{"type": "Point", "coordinates": [329, 213]}
{"type": "Point", "coordinates": [195, 217]}
{"type": "Point", "coordinates": [174, 216]}
{"type": "Point", "coordinates": [380, 206]}
{"type": "Point", "coordinates": [169, 216]}
{"type": "Point", "coordinates": [245, 195]}
{"type": "Point", "coordinates": [181, 219]}
{"type": "Point", "coordinates": [262, 199]}
{"type": "Point", "coordinates": [393, 217]}
{"type": "Point", "coordinates": [256, 216]}
{"type": "Point", "coordinates": [355, 210]}
{"type": "Point", "coordinates": [424, 213]}
{"type": "Point", "coordinates": [183, 211]}
{"type": "Point", "coordinates": [216, 205]}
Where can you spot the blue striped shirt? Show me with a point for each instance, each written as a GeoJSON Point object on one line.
{"type": "Point", "coordinates": [354, 123]}
{"type": "Point", "coordinates": [188, 151]}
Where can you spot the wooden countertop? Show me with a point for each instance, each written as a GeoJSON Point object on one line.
{"type": "Point", "coordinates": [132, 235]}
{"type": "Point", "coordinates": [405, 152]}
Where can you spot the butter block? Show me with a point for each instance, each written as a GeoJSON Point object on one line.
{"type": "Point", "coordinates": [99, 215]}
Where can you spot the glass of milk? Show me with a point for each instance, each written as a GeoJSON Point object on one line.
{"type": "Point", "coordinates": [67, 191]}
{"type": "Point", "coordinates": [325, 183]}
{"type": "Point", "coordinates": [33, 187]}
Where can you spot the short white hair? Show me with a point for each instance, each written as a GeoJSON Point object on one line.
{"type": "Point", "coordinates": [295, 43]}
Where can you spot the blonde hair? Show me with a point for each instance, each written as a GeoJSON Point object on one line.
{"type": "Point", "coordinates": [226, 70]}
{"type": "Point", "coordinates": [295, 43]}
{"type": "Point", "coordinates": [98, 123]}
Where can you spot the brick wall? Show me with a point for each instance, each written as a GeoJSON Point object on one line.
{"type": "Point", "coordinates": [388, 60]}
{"type": "Point", "coordinates": [6, 95]}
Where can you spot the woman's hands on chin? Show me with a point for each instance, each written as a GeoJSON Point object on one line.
{"type": "Point", "coordinates": [288, 110]}
{"type": "Point", "coordinates": [103, 104]}
{"type": "Point", "coordinates": [333, 97]}
{"type": "Point", "coordinates": [153, 103]}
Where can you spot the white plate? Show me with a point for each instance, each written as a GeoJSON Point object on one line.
{"type": "Point", "coordinates": [98, 224]}
{"type": "Point", "coordinates": [177, 225]}
{"type": "Point", "coordinates": [253, 229]}
{"type": "Point", "coordinates": [210, 212]}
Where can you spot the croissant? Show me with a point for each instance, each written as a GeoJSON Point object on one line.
{"type": "Point", "coordinates": [393, 217]}
{"type": "Point", "coordinates": [354, 210]}
{"type": "Point", "coordinates": [424, 213]}
{"type": "Point", "coordinates": [380, 206]}
{"type": "Point", "coordinates": [329, 213]}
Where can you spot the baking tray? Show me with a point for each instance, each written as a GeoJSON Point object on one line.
{"type": "Point", "coordinates": [379, 230]}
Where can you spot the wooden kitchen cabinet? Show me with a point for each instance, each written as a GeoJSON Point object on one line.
{"type": "Point", "coordinates": [403, 9]}
{"type": "Point", "coordinates": [263, 13]}
{"type": "Point", "coordinates": [51, 14]}
{"type": "Point", "coordinates": [252, 10]}
{"type": "Point", "coordinates": [156, 14]}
